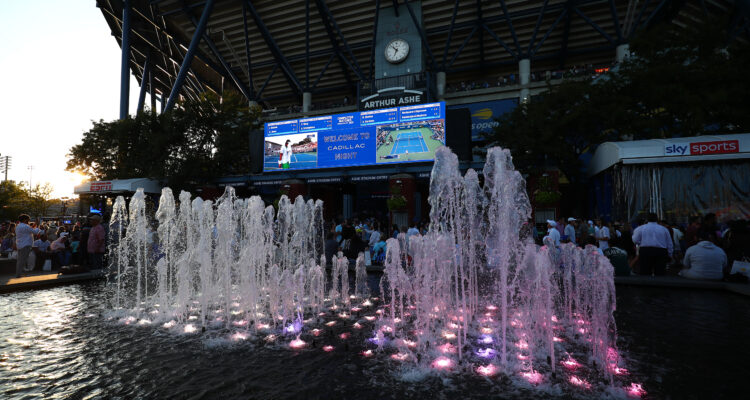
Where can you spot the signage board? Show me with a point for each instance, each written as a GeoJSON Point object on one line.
{"type": "Point", "coordinates": [383, 136]}
{"type": "Point", "coordinates": [392, 97]}
{"type": "Point", "coordinates": [484, 115]}
{"type": "Point", "coordinates": [702, 148]}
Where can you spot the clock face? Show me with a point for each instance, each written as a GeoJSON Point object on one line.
{"type": "Point", "coordinates": [396, 51]}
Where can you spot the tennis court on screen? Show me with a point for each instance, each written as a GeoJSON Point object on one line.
{"type": "Point", "coordinates": [411, 142]}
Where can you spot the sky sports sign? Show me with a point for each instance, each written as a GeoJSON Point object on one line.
{"type": "Point", "coordinates": [702, 148]}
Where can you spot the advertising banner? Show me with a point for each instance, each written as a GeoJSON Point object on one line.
{"type": "Point", "coordinates": [390, 135]}
{"type": "Point", "coordinates": [485, 113]}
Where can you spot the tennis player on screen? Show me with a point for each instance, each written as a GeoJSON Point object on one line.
{"type": "Point", "coordinates": [286, 155]}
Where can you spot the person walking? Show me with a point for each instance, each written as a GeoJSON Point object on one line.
{"type": "Point", "coordinates": [552, 233]}
{"type": "Point", "coordinates": [655, 246]}
{"type": "Point", "coordinates": [602, 235]}
{"type": "Point", "coordinates": [24, 240]}
{"type": "Point", "coordinates": [570, 230]}
{"type": "Point", "coordinates": [95, 243]}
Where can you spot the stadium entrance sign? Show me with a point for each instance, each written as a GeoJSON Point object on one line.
{"type": "Point", "coordinates": [383, 136]}
{"type": "Point", "coordinates": [391, 97]}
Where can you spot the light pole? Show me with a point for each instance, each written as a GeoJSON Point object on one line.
{"type": "Point", "coordinates": [30, 168]}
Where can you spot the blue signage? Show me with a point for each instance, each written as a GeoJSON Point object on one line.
{"type": "Point", "coordinates": [393, 135]}
{"type": "Point", "coordinates": [484, 115]}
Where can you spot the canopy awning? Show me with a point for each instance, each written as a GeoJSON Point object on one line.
{"type": "Point", "coordinates": [695, 148]}
{"type": "Point", "coordinates": [119, 186]}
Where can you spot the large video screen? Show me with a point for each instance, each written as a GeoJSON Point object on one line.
{"type": "Point", "coordinates": [391, 135]}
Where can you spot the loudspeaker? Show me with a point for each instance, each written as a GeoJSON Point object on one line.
{"type": "Point", "coordinates": [458, 132]}
{"type": "Point", "coordinates": [256, 152]}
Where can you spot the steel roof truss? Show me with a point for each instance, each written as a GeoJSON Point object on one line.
{"type": "Point", "coordinates": [275, 50]}
{"type": "Point", "coordinates": [593, 25]}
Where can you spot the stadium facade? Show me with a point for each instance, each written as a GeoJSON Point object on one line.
{"type": "Point", "coordinates": [303, 58]}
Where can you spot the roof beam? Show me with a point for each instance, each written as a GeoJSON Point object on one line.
{"type": "Point", "coordinates": [190, 54]}
{"type": "Point", "coordinates": [593, 25]}
{"type": "Point", "coordinates": [616, 20]}
{"type": "Point", "coordinates": [330, 23]}
{"type": "Point", "coordinates": [422, 35]}
{"type": "Point", "coordinates": [251, 86]}
{"type": "Point", "coordinates": [450, 33]}
{"type": "Point", "coordinates": [237, 81]}
{"type": "Point", "coordinates": [275, 50]}
{"type": "Point", "coordinates": [510, 26]}
{"type": "Point", "coordinates": [536, 28]}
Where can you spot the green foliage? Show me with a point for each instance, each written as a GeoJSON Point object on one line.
{"type": "Point", "coordinates": [679, 82]}
{"type": "Point", "coordinates": [184, 147]}
{"type": "Point", "coordinates": [16, 199]}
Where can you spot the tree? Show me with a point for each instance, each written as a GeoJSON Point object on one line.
{"type": "Point", "coordinates": [40, 199]}
{"type": "Point", "coordinates": [679, 82]}
{"type": "Point", "coordinates": [13, 200]}
{"type": "Point", "coordinates": [199, 140]}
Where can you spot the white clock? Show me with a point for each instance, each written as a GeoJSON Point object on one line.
{"type": "Point", "coordinates": [396, 51]}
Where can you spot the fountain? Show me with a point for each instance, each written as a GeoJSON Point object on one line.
{"type": "Point", "coordinates": [475, 295]}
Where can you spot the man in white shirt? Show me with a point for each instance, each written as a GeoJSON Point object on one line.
{"type": "Point", "coordinates": [552, 233]}
{"type": "Point", "coordinates": [24, 241]}
{"type": "Point", "coordinates": [704, 260]}
{"type": "Point", "coordinates": [602, 235]}
{"type": "Point", "coordinates": [286, 155]}
{"type": "Point", "coordinates": [570, 230]}
{"type": "Point", "coordinates": [655, 246]}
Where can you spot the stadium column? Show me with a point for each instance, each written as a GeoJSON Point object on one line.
{"type": "Point", "coordinates": [306, 101]}
{"type": "Point", "coordinates": [622, 52]}
{"type": "Point", "coordinates": [440, 84]}
{"type": "Point", "coordinates": [403, 185]}
{"type": "Point", "coordinates": [125, 65]}
{"type": "Point", "coordinates": [524, 71]}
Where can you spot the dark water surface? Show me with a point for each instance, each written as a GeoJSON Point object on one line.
{"type": "Point", "coordinates": [55, 343]}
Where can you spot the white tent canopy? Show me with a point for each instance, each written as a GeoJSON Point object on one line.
{"type": "Point", "coordinates": [119, 186]}
{"type": "Point", "coordinates": [695, 148]}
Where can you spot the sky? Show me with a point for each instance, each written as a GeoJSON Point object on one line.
{"type": "Point", "coordinates": [60, 70]}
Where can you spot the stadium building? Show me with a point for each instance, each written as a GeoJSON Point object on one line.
{"type": "Point", "coordinates": [304, 59]}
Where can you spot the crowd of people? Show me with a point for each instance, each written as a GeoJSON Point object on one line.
{"type": "Point", "coordinates": [57, 243]}
{"type": "Point", "coordinates": [575, 71]}
{"type": "Point", "coordinates": [704, 249]}
{"type": "Point", "coordinates": [367, 235]}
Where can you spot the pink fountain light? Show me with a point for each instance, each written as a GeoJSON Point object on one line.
{"type": "Point", "coordinates": [239, 336]}
{"type": "Point", "coordinates": [522, 357]}
{"type": "Point", "coordinates": [522, 344]}
{"type": "Point", "coordinates": [410, 343]}
{"type": "Point", "coordinates": [442, 363]}
{"type": "Point", "coordinates": [487, 370]}
{"type": "Point", "coordinates": [557, 339]}
{"type": "Point", "coordinates": [635, 390]}
{"type": "Point", "coordinates": [486, 330]}
{"type": "Point", "coordinates": [486, 353]}
{"type": "Point", "coordinates": [617, 370]}
{"type": "Point", "coordinates": [328, 348]}
{"type": "Point", "coordinates": [533, 377]}
{"type": "Point", "coordinates": [570, 364]}
{"type": "Point", "coordinates": [580, 382]}
{"type": "Point", "coordinates": [357, 325]}
{"type": "Point", "coordinates": [447, 348]}
{"type": "Point", "coordinates": [344, 335]}
{"type": "Point", "coordinates": [491, 307]}
{"type": "Point", "coordinates": [316, 332]}
{"type": "Point", "coordinates": [370, 318]}
{"type": "Point", "coordinates": [297, 343]}
{"type": "Point", "coordinates": [331, 323]}
{"type": "Point", "coordinates": [367, 353]}
{"type": "Point", "coordinates": [449, 335]}
{"type": "Point", "coordinates": [399, 356]}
